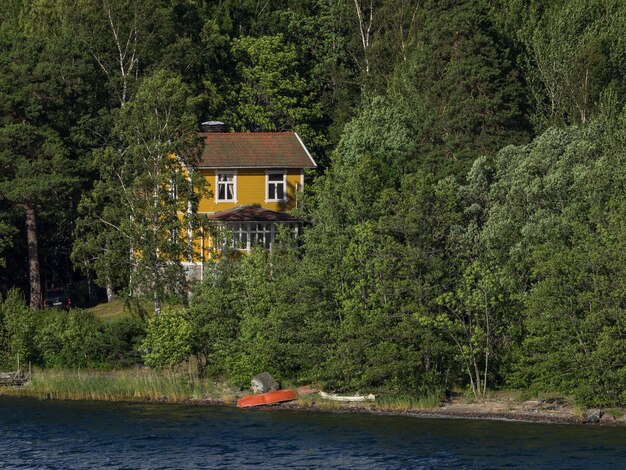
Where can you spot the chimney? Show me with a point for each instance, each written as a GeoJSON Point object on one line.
{"type": "Point", "coordinates": [213, 126]}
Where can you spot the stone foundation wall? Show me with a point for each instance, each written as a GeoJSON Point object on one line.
{"type": "Point", "coordinates": [193, 271]}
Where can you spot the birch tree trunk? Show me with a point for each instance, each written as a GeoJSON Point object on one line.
{"type": "Point", "coordinates": [110, 292]}
{"type": "Point", "coordinates": [365, 20]}
{"type": "Point", "coordinates": [93, 295]}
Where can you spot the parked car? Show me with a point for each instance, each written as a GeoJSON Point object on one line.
{"type": "Point", "coordinates": [57, 298]}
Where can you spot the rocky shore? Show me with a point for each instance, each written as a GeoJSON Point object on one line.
{"type": "Point", "coordinates": [554, 411]}
{"type": "Point", "coordinates": [145, 386]}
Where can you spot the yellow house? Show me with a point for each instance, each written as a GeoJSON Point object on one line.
{"type": "Point", "coordinates": [254, 177]}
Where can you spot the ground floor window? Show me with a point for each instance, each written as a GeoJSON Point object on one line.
{"type": "Point", "coordinates": [246, 235]}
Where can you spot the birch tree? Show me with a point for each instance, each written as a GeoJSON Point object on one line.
{"type": "Point", "coordinates": [473, 323]}
{"type": "Point", "coordinates": [145, 201]}
{"type": "Point", "coordinates": [364, 11]}
{"type": "Point", "coordinates": [121, 37]}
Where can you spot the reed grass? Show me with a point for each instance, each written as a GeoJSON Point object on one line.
{"type": "Point", "coordinates": [403, 404]}
{"type": "Point", "coordinates": [125, 385]}
{"type": "Point", "coordinates": [174, 386]}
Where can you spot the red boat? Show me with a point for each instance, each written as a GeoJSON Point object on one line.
{"type": "Point", "coordinates": [267, 398]}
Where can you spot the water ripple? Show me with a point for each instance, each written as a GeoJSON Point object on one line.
{"type": "Point", "coordinates": [76, 435]}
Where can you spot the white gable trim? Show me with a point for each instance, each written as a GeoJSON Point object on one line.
{"type": "Point", "coordinates": [306, 150]}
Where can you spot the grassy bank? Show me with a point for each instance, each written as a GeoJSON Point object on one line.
{"type": "Point", "coordinates": [110, 311]}
{"type": "Point", "coordinates": [125, 385]}
{"type": "Point", "coordinates": [178, 387]}
{"type": "Point", "coordinates": [382, 404]}
{"type": "Point", "coordinates": [175, 386]}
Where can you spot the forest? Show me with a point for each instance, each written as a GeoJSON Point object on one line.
{"type": "Point", "coordinates": [465, 227]}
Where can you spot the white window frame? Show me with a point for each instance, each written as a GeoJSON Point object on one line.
{"type": "Point", "coordinates": [232, 173]}
{"type": "Point", "coordinates": [234, 230]}
{"type": "Point", "coordinates": [267, 185]}
{"type": "Point", "coordinates": [265, 230]}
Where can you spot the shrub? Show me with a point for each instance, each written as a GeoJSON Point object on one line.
{"type": "Point", "coordinates": [168, 340]}
{"type": "Point", "coordinates": [17, 326]}
{"type": "Point", "coordinates": [122, 340]}
{"type": "Point", "coordinates": [69, 339]}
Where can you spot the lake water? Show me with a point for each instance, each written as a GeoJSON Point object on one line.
{"type": "Point", "coordinates": [60, 435]}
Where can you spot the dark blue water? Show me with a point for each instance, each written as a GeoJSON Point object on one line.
{"type": "Point", "coordinates": [60, 435]}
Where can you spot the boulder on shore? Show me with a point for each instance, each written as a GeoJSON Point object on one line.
{"type": "Point", "coordinates": [607, 418]}
{"type": "Point", "coordinates": [593, 416]}
{"type": "Point", "coordinates": [264, 382]}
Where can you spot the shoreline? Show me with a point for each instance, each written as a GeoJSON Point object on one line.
{"type": "Point", "coordinates": [466, 412]}
{"type": "Point", "coordinates": [311, 404]}
{"type": "Point", "coordinates": [142, 385]}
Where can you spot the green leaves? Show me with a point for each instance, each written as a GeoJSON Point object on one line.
{"type": "Point", "coordinates": [64, 339]}
{"type": "Point", "coordinates": [268, 92]}
{"type": "Point", "coordinates": [168, 339]}
{"type": "Point", "coordinates": [571, 57]}
{"type": "Point", "coordinates": [68, 339]}
{"type": "Point", "coordinates": [478, 315]}
{"type": "Point", "coordinates": [554, 228]}
{"type": "Point", "coordinates": [142, 210]}
{"type": "Point", "coordinates": [17, 327]}
{"type": "Point", "coordinates": [458, 88]}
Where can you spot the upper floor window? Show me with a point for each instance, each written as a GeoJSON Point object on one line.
{"type": "Point", "coordinates": [226, 184]}
{"type": "Point", "coordinates": [276, 187]}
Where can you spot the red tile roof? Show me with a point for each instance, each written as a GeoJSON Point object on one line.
{"type": "Point", "coordinates": [251, 213]}
{"type": "Point", "coordinates": [254, 150]}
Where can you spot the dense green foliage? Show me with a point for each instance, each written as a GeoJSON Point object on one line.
{"type": "Point", "coordinates": [143, 205]}
{"type": "Point", "coordinates": [459, 87]}
{"type": "Point", "coordinates": [168, 339]}
{"type": "Point", "coordinates": [465, 225]}
{"type": "Point", "coordinates": [557, 211]}
{"type": "Point", "coordinates": [56, 338]}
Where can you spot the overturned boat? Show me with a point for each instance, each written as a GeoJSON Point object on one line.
{"type": "Point", "coordinates": [349, 398]}
{"type": "Point", "coordinates": [268, 398]}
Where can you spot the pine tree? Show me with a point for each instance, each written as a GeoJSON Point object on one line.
{"type": "Point", "coordinates": [459, 88]}
{"type": "Point", "coordinates": [35, 169]}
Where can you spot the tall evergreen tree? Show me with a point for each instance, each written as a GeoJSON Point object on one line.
{"type": "Point", "coordinates": [36, 171]}
{"type": "Point", "coordinates": [460, 88]}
